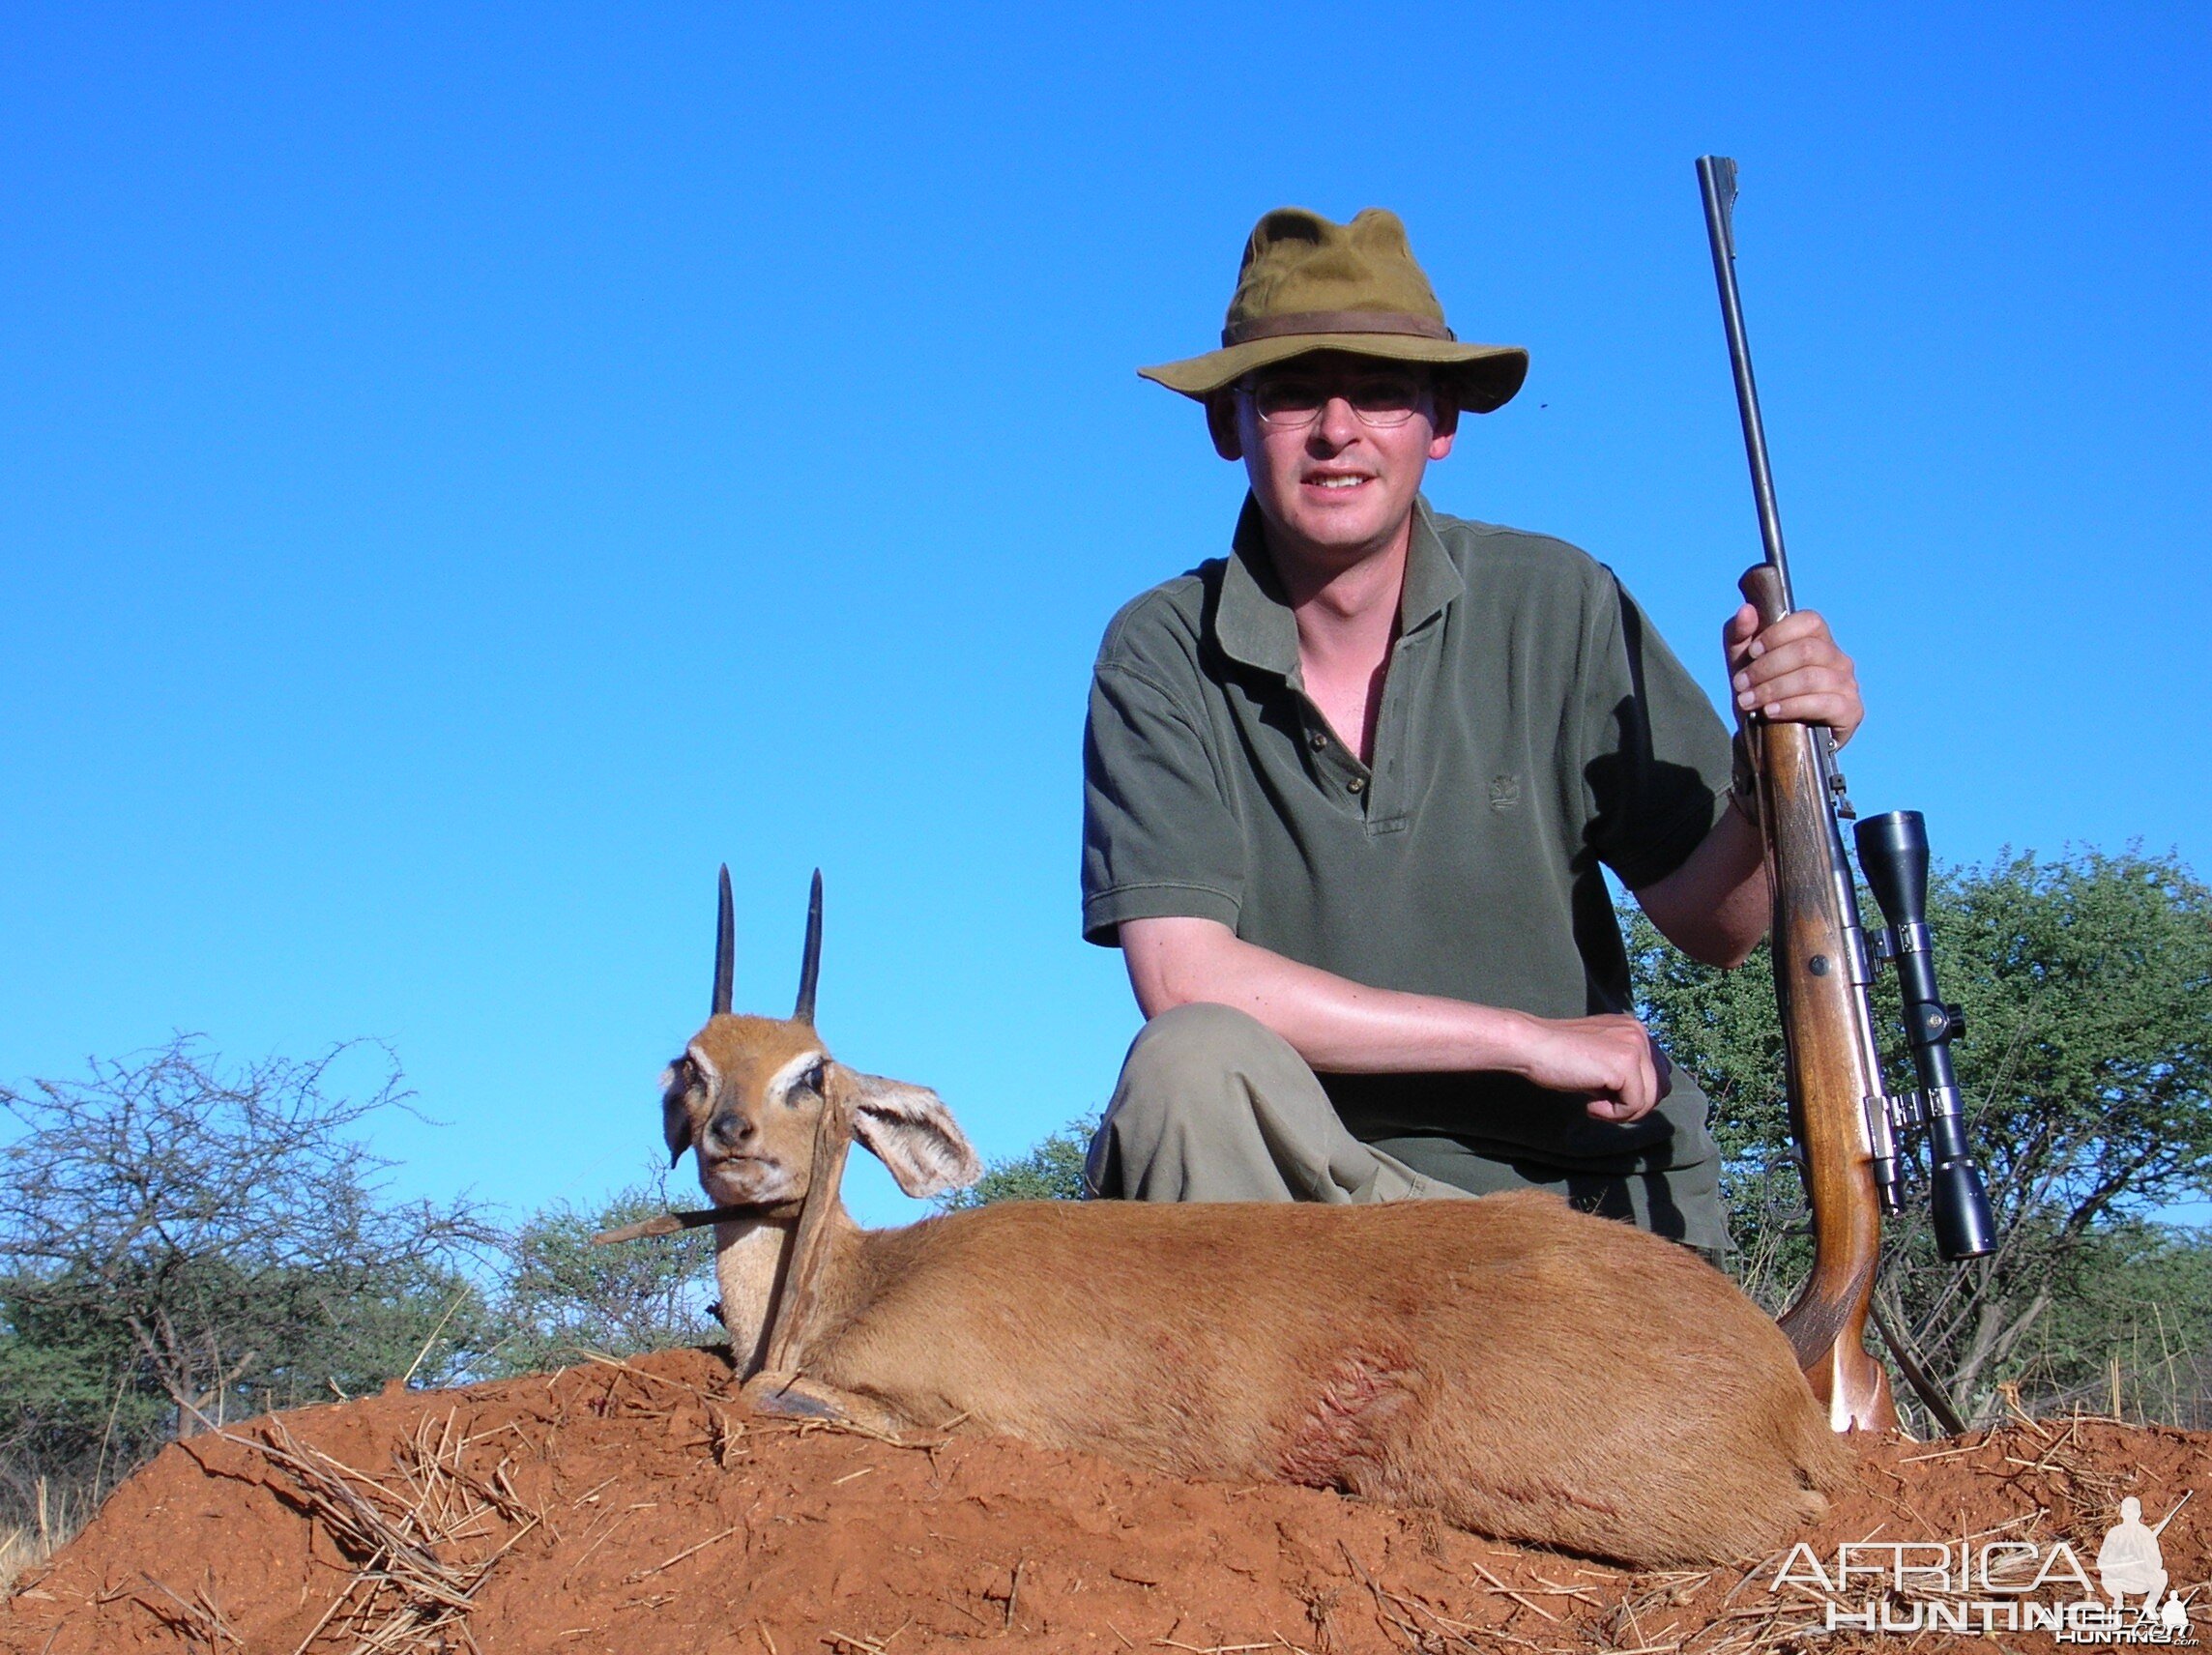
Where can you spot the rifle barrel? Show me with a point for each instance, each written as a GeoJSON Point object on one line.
{"type": "Point", "coordinates": [1716, 178]}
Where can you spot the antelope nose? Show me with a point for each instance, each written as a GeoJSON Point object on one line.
{"type": "Point", "coordinates": [727, 1130]}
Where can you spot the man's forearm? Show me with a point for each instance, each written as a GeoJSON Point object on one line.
{"type": "Point", "coordinates": [1714, 907]}
{"type": "Point", "coordinates": [1347, 1028]}
{"type": "Point", "coordinates": [1334, 1023]}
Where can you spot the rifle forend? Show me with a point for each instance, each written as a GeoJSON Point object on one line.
{"type": "Point", "coordinates": [1834, 1076]}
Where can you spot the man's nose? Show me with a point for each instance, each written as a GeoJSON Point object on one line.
{"type": "Point", "coordinates": [1337, 425]}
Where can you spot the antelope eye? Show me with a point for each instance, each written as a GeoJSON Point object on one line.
{"type": "Point", "coordinates": [812, 1080]}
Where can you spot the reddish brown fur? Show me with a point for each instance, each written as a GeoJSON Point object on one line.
{"type": "Point", "coordinates": [1530, 1372]}
{"type": "Point", "coordinates": [1564, 1379]}
{"type": "Point", "coordinates": [747, 1051]}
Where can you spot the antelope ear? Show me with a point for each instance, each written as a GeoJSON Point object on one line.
{"type": "Point", "coordinates": [910, 1130]}
{"type": "Point", "coordinates": [675, 1111]}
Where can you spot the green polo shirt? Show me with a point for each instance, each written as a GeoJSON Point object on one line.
{"type": "Point", "coordinates": [1534, 726]}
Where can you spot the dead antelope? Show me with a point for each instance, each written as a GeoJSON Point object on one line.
{"type": "Point", "coordinates": [1529, 1370]}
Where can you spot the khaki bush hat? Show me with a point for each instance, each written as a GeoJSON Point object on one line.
{"type": "Point", "coordinates": [1309, 284]}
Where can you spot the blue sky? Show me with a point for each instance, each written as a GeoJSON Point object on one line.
{"type": "Point", "coordinates": [468, 471]}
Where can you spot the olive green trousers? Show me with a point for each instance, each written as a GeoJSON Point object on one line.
{"type": "Point", "coordinates": [1214, 1106]}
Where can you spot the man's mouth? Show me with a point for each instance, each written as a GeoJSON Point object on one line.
{"type": "Point", "coordinates": [1337, 481]}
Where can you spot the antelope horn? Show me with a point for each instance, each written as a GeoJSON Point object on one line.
{"type": "Point", "coordinates": [725, 947]}
{"type": "Point", "coordinates": [810, 963]}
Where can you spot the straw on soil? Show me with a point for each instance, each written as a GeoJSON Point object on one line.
{"type": "Point", "coordinates": [413, 1586]}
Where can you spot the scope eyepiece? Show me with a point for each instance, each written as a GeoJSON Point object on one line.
{"type": "Point", "coordinates": [1893, 853]}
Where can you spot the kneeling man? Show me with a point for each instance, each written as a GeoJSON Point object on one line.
{"type": "Point", "coordinates": [1349, 790]}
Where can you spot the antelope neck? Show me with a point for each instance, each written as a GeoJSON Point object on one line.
{"type": "Point", "coordinates": [752, 1262]}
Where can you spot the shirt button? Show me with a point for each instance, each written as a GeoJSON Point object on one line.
{"type": "Point", "coordinates": [1356, 784]}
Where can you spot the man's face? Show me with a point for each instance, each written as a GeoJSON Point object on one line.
{"type": "Point", "coordinates": [1335, 447]}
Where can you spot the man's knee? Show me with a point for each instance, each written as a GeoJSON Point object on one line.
{"type": "Point", "coordinates": [1193, 1074]}
{"type": "Point", "coordinates": [1198, 1043]}
{"type": "Point", "coordinates": [1209, 1105]}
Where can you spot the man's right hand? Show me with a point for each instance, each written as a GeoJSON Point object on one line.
{"type": "Point", "coordinates": [1610, 1057]}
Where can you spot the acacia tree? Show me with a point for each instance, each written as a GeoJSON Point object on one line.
{"type": "Point", "coordinates": [563, 1295]}
{"type": "Point", "coordinates": [180, 1244]}
{"type": "Point", "coordinates": [2086, 1063]}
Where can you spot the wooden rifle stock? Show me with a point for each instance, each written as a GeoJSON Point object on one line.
{"type": "Point", "coordinates": [1838, 1113]}
{"type": "Point", "coordinates": [1828, 1039]}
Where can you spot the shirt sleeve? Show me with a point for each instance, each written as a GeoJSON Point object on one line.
{"type": "Point", "coordinates": [1160, 834]}
{"type": "Point", "coordinates": [1655, 754]}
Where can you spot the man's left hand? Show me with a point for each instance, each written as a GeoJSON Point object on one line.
{"type": "Point", "coordinates": [1792, 672]}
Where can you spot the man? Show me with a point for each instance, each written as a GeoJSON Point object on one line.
{"type": "Point", "coordinates": [1348, 790]}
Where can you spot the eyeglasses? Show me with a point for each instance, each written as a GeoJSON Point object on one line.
{"type": "Point", "coordinates": [1287, 403]}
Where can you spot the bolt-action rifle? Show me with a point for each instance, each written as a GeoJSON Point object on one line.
{"type": "Point", "coordinates": [1845, 1127]}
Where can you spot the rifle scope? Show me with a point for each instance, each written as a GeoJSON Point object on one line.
{"type": "Point", "coordinates": [1893, 852]}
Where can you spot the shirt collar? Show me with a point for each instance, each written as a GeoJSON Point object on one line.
{"type": "Point", "coordinates": [1252, 621]}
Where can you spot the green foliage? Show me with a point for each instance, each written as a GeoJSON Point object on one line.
{"type": "Point", "coordinates": [1052, 1170]}
{"type": "Point", "coordinates": [2086, 1064]}
{"type": "Point", "coordinates": [564, 1294]}
{"type": "Point", "coordinates": [181, 1245]}
{"type": "Point", "coordinates": [2127, 1335]}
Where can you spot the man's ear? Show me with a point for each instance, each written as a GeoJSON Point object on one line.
{"type": "Point", "coordinates": [910, 1130]}
{"type": "Point", "coordinates": [1444, 425]}
{"type": "Point", "coordinates": [1221, 424]}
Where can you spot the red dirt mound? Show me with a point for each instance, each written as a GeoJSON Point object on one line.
{"type": "Point", "coordinates": [642, 1508]}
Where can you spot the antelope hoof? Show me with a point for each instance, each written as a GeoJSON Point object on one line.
{"type": "Point", "coordinates": [794, 1396]}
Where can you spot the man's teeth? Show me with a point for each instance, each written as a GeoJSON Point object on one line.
{"type": "Point", "coordinates": [1339, 481]}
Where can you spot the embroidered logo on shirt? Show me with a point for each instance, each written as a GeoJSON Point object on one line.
{"type": "Point", "coordinates": [1504, 792]}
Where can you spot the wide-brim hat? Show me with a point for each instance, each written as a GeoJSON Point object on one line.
{"type": "Point", "coordinates": [1309, 284]}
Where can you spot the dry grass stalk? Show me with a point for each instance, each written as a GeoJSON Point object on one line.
{"type": "Point", "coordinates": [606, 1361]}
{"type": "Point", "coordinates": [689, 1550]}
{"type": "Point", "coordinates": [20, 1552]}
{"type": "Point", "coordinates": [57, 1513]}
{"type": "Point", "coordinates": [196, 1615]}
{"type": "Point", "coordinates": [2067, 1468]}
{"type": "Point", "coordinates": [726, 1437]}
{"type": "Point", "coordinates": [1551, 1588]}
{"type": "Point", "coordinates": [868, 1646]}
{"type": "Point", "coordinates": [413, 1593]}
{"type": "Point", "coordinates": [1398, 1613]}
{"type": "Point", "coordinates": [1768, 1623]}
{"type": "Point", "coordinates": [1503, 1591]}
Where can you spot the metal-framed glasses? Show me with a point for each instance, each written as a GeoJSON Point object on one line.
{"type": "Point", "coordinates": [1384, 398]}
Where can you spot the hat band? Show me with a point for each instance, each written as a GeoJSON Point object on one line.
{"type": "Point", "coordinates": [1335, 322]}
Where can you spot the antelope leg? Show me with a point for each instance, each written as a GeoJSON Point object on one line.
{"type": "Point", "coordinates": [794, 1396]}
